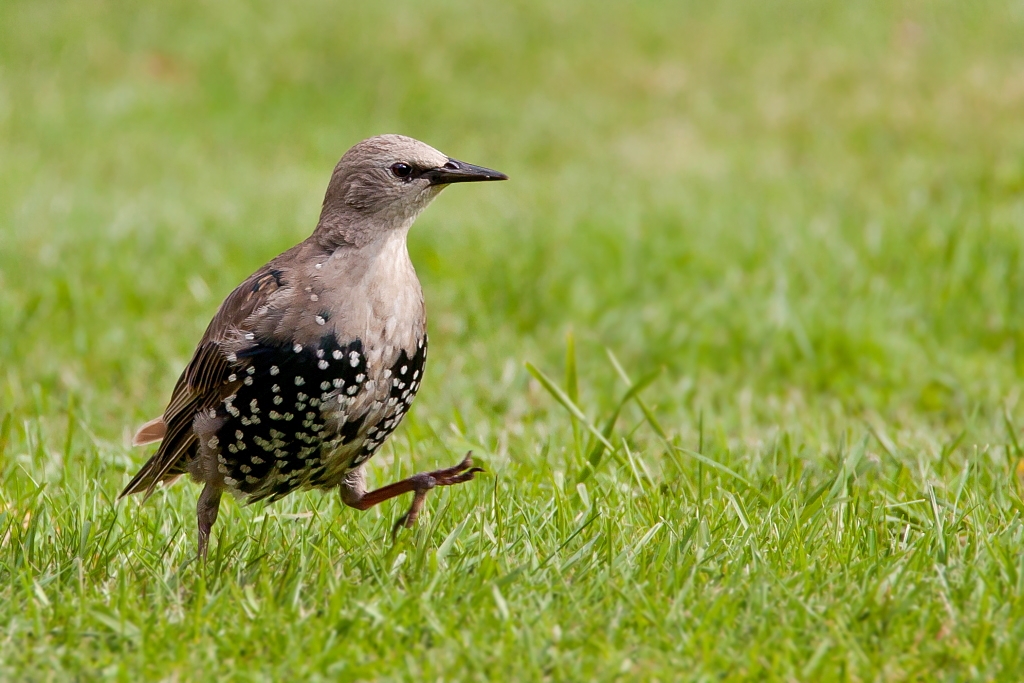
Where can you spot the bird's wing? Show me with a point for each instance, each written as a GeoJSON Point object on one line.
{"type": "Point", "coordinates": [205, 381]}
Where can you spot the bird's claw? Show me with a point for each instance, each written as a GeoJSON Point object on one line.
{"type": "Point", "coordinates": [463, 472]}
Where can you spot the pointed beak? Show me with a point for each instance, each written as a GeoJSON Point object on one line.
{"type": "Point", "coordinates": [460, 172]}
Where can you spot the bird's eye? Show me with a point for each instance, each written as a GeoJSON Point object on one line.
{"type": "Point", "coordinates": [401, 170]}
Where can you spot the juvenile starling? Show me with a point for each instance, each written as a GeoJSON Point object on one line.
{"type": "Point", "coordinates": [311, 362]}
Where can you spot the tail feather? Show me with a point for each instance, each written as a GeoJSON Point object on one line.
{"type": "Point", "coordinates": [151, 432]}
{"type": "Point", "coordinates": [161, 467]}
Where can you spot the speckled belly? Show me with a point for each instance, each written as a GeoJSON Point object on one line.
{"type": "Point", "coordinates": [302, 415]}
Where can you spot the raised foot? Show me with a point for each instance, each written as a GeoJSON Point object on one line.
{"type": "Point", "coordinates": [464, 471]}
{"type": "Point", "coordinates": [424, 481]}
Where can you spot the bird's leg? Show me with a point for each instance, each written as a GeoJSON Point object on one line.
{"type": "Point", "coordinates": [206, 514]}
{"type": "Point", "coordinates": [355, 495]}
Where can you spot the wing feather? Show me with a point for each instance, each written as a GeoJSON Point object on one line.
{"type": "Point", "coordinates": [205, 382]}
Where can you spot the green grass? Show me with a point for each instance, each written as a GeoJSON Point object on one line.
{"type": "Point", "coordinates": [800, 226]}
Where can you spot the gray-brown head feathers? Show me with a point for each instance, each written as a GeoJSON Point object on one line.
{"type": "Point", "coordinates": [384, 182]}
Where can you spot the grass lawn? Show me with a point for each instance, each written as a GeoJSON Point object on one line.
{"type": "Point", "coordinates": [741, 344]}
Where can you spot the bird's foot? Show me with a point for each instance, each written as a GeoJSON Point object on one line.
{"type": "Point", "coordinates": [424, 481]}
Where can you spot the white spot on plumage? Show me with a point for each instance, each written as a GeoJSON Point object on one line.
{"type": "Point", "coordinates": [254, 406]}
{"type": "Point", "coordinates": [314, 297]}
{"type": "Point", "coordinates": [338, 382]}
{"type": "Point", "coordinates": [213, 443]}
{"type": "Point", "coordinates": [351, 391]}
{"type": "Point", "coordinates": [239, 435]}
{"type": "Point", "coordinates": [257, 460]}
{"type": "Point", "coordinates": [278, 400]}
{"type": "Point", "coordinates": [319, 319]}
{"type": "Point", "coordinates": [274, 370]}
{"type": "Point", "coordinates": [249, 336]}
{"type": "Point", "coordinates": [359, 378]}
{"type": "Point", "coordinates": [325, 385]}
{"type": "Point", "coordinates": [251, 370]}
{"type": "Point", "coordinates": [337, 354]}
{"type": "Point", "coordinates": [223, 469]}
{"type": "Point", "coordinates": [232, 357]}
{"type": "Point", "coordinates": [251, 479]}
{"type": "Point", "coordinates": [297, 348]}
{"type": "Point", "coordinates": [247, 381]}
{"type": "Point", "coordinates": [230, 482]}
{"type": "Point", "coordinates": [353, 358]}
{"type": "Point", "coordinates": [232, 377]}
{"type": "Point", "coordinates": [299, 380]}
{"type": "Point", "coordinates": [319, 266]}
{"type": "Point", "coordinates": [276, 388]}
{"type": "Point", "coordinates": [245, 469]}
{"type": "Point", "coordinates": [323, 365]}
{"type": "Point", "coordinates": [405, 369]}
{"type": "Point", "coordinates": [416, 375]}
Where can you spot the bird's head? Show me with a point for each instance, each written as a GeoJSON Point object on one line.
{"type": "Point", "coordinates": [384, 182]}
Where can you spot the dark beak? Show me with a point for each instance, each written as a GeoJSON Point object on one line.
{"type": "Point", "coordinates": [461, 172]}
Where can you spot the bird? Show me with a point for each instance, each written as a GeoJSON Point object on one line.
{"type": "Point", "coordinates": [311, 363]}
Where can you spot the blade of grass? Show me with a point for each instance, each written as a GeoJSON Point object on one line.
{"type": "Point", "coordinates": [567, 403]}
{"type": "Point", "coordinates": [572, 390]}
{"type": "Point", "coordinates": [597, 448]}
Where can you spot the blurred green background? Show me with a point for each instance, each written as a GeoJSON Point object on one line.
{"type": "Point", "coordinates": [808, 215]}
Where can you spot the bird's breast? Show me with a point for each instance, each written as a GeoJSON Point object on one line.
{"type": "Point", "coordinates": [304, 414]}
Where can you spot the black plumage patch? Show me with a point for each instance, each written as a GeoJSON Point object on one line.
{"type": "Point", "coordinates": [404, 378]}
{"type": "Point", "coordinates": [274, 429]}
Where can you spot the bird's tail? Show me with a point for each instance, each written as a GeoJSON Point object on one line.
{"type": "Point", "coordinates": [152, 472]}
{"type": "Point", "coordinates": [151, 432]}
